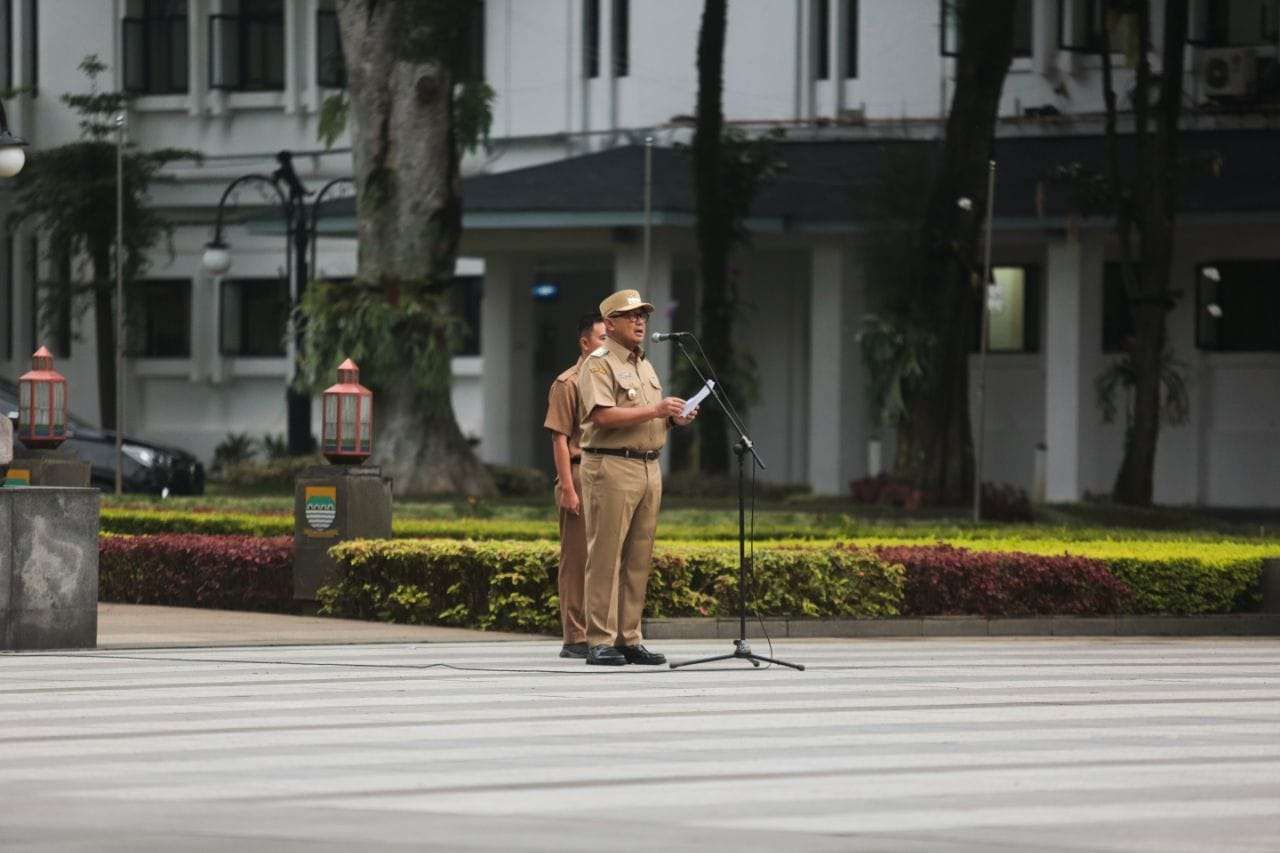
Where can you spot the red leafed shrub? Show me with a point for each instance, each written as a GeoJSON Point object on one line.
{"type": "Point", "coordinates": [944, 580]}
{"type": "Point", "coordinates": [187, 570]}
{"type": "Point", "coordinates": [880, 489]}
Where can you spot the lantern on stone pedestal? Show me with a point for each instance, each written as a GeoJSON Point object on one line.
{"type": "Point", "coordinates": [42, 404]}
{"type": "Point", "coordinates": [346, 436]}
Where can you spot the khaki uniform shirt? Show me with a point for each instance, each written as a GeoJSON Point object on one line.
{"type": "Point", "coordinates": [613, 375]}
{"type": "Point", "coordinates": [562, 408]}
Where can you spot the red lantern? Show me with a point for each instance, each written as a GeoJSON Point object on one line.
{"type": "Point", "coordinates": [42, 404]}
{"type": "Point", "coordinates": [346, 436]}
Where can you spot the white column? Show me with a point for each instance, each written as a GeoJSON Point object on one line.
{"type": "Point", "coordinates": [827, 370]}
{"type": "Point", "coordinates": [1072, 343]}
{"type": "Point", "coordinates": [507, 399]}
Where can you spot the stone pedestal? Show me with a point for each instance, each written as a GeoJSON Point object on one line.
{"type": "Point", "coordinates": [331, 504]}
{"type": "Point", "coordinates": [59, 467]}
{"type": "Point", "coordinates": [48, 568]}
{"type": "Point", "coordinates": [6, 446]}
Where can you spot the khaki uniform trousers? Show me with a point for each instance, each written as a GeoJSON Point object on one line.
{"type": "Point", "coordinates": [573, 563]}
{"type": "Point", "coordinates": [621, 499]}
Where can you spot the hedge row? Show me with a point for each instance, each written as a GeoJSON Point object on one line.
{"type": "Point", "coordinates": [225, 572]}
{"type": "Point", "coordinates": [511, 585]}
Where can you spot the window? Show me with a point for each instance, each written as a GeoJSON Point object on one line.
{"type": "Point", "coordinates": [851, 41]}
{"type": "Point", "coordinates": [591, 39]}
{"type": "Point", "coordinates": [1080, 24]}
{"type": "Point", "coordinates": [159, 319]}
{"type": "Point", "coordinates": [1118, 327]}
{"type": "Point", "coordinates": [246, 49]}
{"type": "Point", "coordinates": [1235, 23]}
{"type": "Point", "coordinates": [1238, 306]}
{"type": "Point", "coordinates": [1023, 27]}
{"type": "Point", "coordinates": [331, 66]}
{"type": "Point", "coordinates": [464, 303]}
{"type": "Point", "coordinates": [821, 39]}
{"type": "Point", "coordinates": [1013, 304]}
{"type": "Point", "coordinates": [6, 46]}
{"type": "Point", "coordinates": [255, 317]}
{"type": "Point", "coordinates": [621, 26]}
{"type": "Point", "coordinates": [155, 48]}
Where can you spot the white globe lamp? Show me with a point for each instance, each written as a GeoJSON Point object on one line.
{"type": "Point", "coordinates": [216, 260]}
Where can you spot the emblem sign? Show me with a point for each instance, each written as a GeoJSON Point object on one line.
{"type": "Point", "coordinates": [17, 477]}
{"type": "Point", "coordinates": [320, 506]}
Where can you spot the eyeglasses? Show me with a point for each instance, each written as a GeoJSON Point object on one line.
{"type": "Point", "coordinates": [633, 316]}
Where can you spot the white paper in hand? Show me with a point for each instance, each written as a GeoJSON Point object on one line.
{"type": "Point", "coordinates": [692, 402]}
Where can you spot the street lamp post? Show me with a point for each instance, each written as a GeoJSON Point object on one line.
{"type": "Point", "coordinates": [120, 121]}
{"type": "Point", "coordinates": [12, 156]}
{"type": "Point", "coordinates": [300, 223]}
{"type": "Point", "coordinates": [982, 344]}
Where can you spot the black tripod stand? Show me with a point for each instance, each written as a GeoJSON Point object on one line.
{"type": "Point", "coordinates": [741, 648]}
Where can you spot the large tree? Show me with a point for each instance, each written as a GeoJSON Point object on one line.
{"type": "Point", "coordinates": [932, 309]}
{"type": "Point", "coordinates": [1146, 204]}
{"type": "Point", "coordinates": [728, 169]}
{"type": "Point", "coordinates": [405, 64]}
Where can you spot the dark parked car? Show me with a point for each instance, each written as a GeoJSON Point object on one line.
{"type": "Point", "coordinates": [148, 467]}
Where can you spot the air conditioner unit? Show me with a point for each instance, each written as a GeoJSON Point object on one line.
{"type": "Point", "coordinates": [1228, 72]}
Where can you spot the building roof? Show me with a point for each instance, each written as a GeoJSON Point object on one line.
{"type": "Point", "coordinates": [838, 184]}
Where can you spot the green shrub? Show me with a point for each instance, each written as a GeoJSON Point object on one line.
{"type": "Point", "coordinates": [511, 585]}
{"type": "Point", "coordinates": [519, 482]}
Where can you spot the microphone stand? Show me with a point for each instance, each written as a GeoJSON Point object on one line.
{"type": "Point", "coordinates": [741, 648]}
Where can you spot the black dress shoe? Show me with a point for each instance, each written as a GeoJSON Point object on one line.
{"type": "Point", "coordinates": [641, 655]}
{"type": "Point", "coordinates": [605, 656]}
{"type": "Point", "coordinates": [573, 650]}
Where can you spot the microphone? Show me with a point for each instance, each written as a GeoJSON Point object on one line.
{"type": "Point", "coordinates": [659, 337]}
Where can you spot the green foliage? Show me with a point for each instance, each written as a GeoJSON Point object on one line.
{"type": "Point", "coordinates": [275, 447]}
{"type": "Point", "coordinates": [332, 122]}
{"type": "Point", "coordinates": [472, 115]}
{"type": "Point", "coordinates": [235, 449]}
{"type": "Point", "coordinates": [410, 336]}
{"type": "Point", "coordinates": [511, 585]}
{"type": "Point", "coordinates": [68, 193]}
{"type": "Point", "coordinates": [895, 352]}
{"type": "Point", "coordinates": [1122, 375]}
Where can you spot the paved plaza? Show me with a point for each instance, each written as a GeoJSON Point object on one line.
{"type": "Point", "coordinates": [1052, 744]}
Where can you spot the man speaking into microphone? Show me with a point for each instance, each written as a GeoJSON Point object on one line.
{"type": "Point", "coordinates": [620, 398]}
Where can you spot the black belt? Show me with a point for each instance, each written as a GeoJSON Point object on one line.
{"type": "Point", "coordinates": [649, 455]}
{"type": "Point", "coordinates": [574, 460]}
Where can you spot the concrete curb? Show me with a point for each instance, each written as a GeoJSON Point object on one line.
{"type": "Point", "coordinates": [1229, 625]}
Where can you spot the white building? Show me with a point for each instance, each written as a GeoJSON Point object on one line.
{"type": "Point", "coordinates": [589, 80]}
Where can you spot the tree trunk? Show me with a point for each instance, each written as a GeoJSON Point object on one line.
{"type": "Point", "coordinates": [714, 229]}
{"type": "Point", "coordinates": [409, 218]}
{"type": "Point", "coordinates": [935, 439]}
{"type": "Point", "coordinates": [1156, 202]}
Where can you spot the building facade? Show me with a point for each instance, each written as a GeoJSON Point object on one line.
{"type": "Point", "coordinates": [579, 83]}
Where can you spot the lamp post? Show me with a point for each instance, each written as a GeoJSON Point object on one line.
{"type": "Point", "coordinates": [982, 344]}
{"type": "Point", "coordinates": [12, 157]}
{"type": "Point", "coordinates": [300, 223]}
{"type": "Point", "coordinates": [120, 128]}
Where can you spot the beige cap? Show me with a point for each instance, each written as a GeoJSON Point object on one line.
{"type": "Point", "coordinates": [623, 300]}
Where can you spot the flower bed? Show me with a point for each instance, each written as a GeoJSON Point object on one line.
{"type": "Point", "coordinates": [227, 572]}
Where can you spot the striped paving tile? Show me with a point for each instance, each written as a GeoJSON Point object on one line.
{"type": "Point", "coordinates": [1056, 744]}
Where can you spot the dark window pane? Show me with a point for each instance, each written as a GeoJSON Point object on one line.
{"type": "Point", "coordinates": [331, 68]}
{"type": "Point", "coordinates": [1240, 311]}
{"type": "Point", "coordinates": [159, 319]}
{"type": "Point", "coordinates": [246, 51]}
{"type": "Point", "coordinates": [621, 38]}
{"type": "Point", "coordinates": [821, 39]}
{"type": "Point", "coordinates": [7, 288]}
{"type": "Point", "coordinates": [1080, 27]}
{"type": "Point", "coordinates": [32, 36]}
{"type": "Point", "coordinates": [6, 47]}
{"type": "Point", "coordinates": [591, 38]}
{"type": "Point", "coordinates": [155, 49]}
{"type": "Point", "coordinates": [255, 316]}
{"type": "Point", "coordinates": [851, 42]}
{"type": "Point", "coordinates": [472, 66]}
{"type": "Point", "coordinates": [464, 302]}
{"type": "Point", "coordinates": [1117, 316]}
{"type": "Point", "coordinates": [1023, 27]}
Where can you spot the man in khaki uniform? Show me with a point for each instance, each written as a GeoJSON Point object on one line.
{"type": "Point", "coordinates": [626, 419]}
{"type": "Point", "coordinates": [565, 427]}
